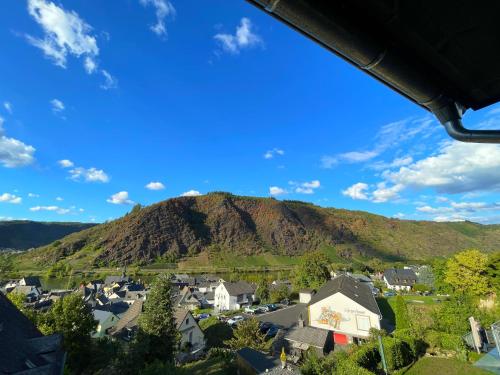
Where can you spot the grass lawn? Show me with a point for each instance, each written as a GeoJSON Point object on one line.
{"type": "Point", "coordinates": [211, 366]}
{"type": "Point", "coordinates": [443, 366]}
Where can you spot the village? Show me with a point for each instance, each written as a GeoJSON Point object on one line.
{"type": "Point", "coordinates": [348, 310]}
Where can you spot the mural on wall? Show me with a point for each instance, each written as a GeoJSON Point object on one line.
{"type": "Point", "coordinates": [330, 317]}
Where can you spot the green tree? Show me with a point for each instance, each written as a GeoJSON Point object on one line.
{"type": "Point", "coordinates": [466, 272]}
{"type": "Point", "coordinates": [439, 274]}
{"type": "Point", "coordinates": [312, 271]}
{"type": "Point", "coordinates": [401, 313]}
{"type": "Point", "coordinates": [452, 315]}
{"type": "Point", "coordinates": [157, 323]}
{"type": "Point", "coordinates": [280, 293]}
{"type": "Point", "coordinates": [19, 300]}
{"type": "Point", "coordinates": [493, 270]}
{"type": "Point", "coordinates": [247, 334]}
{"type": "Point", "coordinates": [6, 264]}
{"type": "Point", "coordinates": [71, 317]}
{"type": "Point", "coordinates": [263, 293]}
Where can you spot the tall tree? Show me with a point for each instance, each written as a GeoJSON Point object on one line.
{"type": "Point", "coordinates": [157, 323]}
{"type": "Point", "coordinates": [312, 271]}
{"type": "Point", "coordinates": [73, 318]}
{"type": "Point", "coordinates": [466, 272]}
{"type": "Point", "coordinates": [247, 334]}
{"type": "Point", "coordinates": [263, 293]}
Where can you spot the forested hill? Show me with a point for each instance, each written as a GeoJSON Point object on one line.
{"type": "Point", "coordinates": [24, 234]}
{"type": "Point", "coordinates": [223, 223]}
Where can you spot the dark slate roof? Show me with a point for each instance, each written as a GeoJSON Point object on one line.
{"type": "Point", "coordinates": [22, 343]}
{"type": "Point", "coordinates": [359, 292]}
{"type": "Point", "coordinates": [403, 277]}
{"type": "Point", "coordinates": [129, 319]}
{"type": "Point", "coordinates": [179, 316]}
{"type": "Point", "coordinates": [259, 361]}
{"type": "Point", "coordinates": [308, 335]}
{"type": "Point", "coordinates": [117, 279]}
{"type": "Point", "coordinates": [32, 280]}
{"type": "Point", "coordinates": [240, 287]}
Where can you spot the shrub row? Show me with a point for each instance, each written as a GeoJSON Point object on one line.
{"type": "Point", "coordinates": [444, 340]}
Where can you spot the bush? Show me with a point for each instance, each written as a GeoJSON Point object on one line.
{"type": "Point", "coordinates": [401, 313]}
{"type": "Point", "coordinates": [348, 367]}
{"type": "Point", "coordinates": [413, 339]}
{"type": "Point", "coordinates": [366, 356]}
{"type": "Point", "coordinates": [397, 353]}
{"type": "Point", "coordinates": [221, 353]}
{"type": "Point", "coordinates": [444, 340]}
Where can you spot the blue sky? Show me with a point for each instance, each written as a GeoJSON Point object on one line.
{"type": "Point", "coordinates": [109, 103]}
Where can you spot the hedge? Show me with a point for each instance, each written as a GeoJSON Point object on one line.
{"type": "Point", "coordinates": [366, 356]}
{"type": "Point", "coordinates": [444, 340]}
{"type": "Point", "coordinates": [401, 313]}
{"type": "Point", "coordinates": [417, 344]}
{"type": "Point", "coordinates": [349, 367]}
{"type": "Point", "coordinates": [397, 353]}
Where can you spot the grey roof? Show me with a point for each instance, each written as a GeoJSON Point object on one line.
{"type": "Point", "coordinates": [101, 315]}
{"type": "Point", "coordinates": [358, 291]}
{"type": "Point", "coordinates": [308, 335]}
{"type": "Point", "coordinates": [117, 279]}
{"type": "Point", "coordinates": [258, 361]}
{"type": "Point", "coordinates": [405, 277]}
{"type": "Point", "coordinates": [240, 287]}
{"type": "Point", "coordinates": [287, 317]}
{"type": "Point", "coordinates": [362, 278]}
{"type": "Point", "coordinates": [129, 319]}
{"type": "Point", "coordinates": [179, 316]}
{"type": "Point", "coordinates": [20, 341]}
{"type": "Point", "coordinates": [26, 290]}
{"type": "Point", "coordinates": [32, 280]}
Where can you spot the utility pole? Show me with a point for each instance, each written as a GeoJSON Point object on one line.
{"type": "Point", "coordinates": [382, 355]}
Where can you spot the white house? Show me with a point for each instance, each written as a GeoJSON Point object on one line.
{"type": "Point", "coordinates": [400, 279]}
{"type": "Point", "coordinates": [346, 307]}
{"type": "Point", "coordinates": [305, 295]}
{"type": "Point", "coordinates": [233, 296]}
{"type": "Point", "coordinates": [106, 320]}
{"type": "Point", "coordinates": [192, 340]}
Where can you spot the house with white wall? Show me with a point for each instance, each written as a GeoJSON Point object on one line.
{"type": "Point", "coordinates": [233, 296]}
{"type": "Point", "coordinates": [347, 308]}
{"type": "Point", "coordinates": [400, 279]}
{"type": "Point", "coordinates": [192, 342]}
{"type": "Point", "coordinates": [106, 320]}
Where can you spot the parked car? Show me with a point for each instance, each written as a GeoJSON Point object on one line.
{"type": "Point", "coordinates": [285, 302]}
{"type": "Point", "coordinates": [235, 320]}
{"type": "Point", "coordinates": [389, 294]}
{"type": "Point", "coordinates": [253, 309]}
{"type": "Point", "coordinates": [272, 307]}
{"type": "Point", "coordinates": [265, 326]}
{"type": "Point", "coordinates": [272, 331]}
{"type": "Point", "coordinates": [264, 308]}
{"type": "Point", "coordinates": [203, 316]}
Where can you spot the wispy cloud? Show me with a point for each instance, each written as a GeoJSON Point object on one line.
{"type": "Point", "coordinates": [163, 9]}
{"type": "Point", "coordinates": [88, 175]}
{"type": "Point", "coordinates": [120, 198]}
{"type": "Point", "coordinates": [305, 187]}
{"type": "Point", "coordinates": [244, 37]}
{"type": "Point", "coordinates": [270, 154]}
{"type": "Point", "coordinates": [110, 82]}
{"type": "Point", "coordinates": [65, 163]}
{"type": "Point", "coordinates": [57, 209]}
{"type": "Point", "coordinates": [13, 152]}
{"type": "Point", "coordinates": [33, 195]}
{"type": "Point", "coordinates": [276, 190]}
{"type": "Point", "coordinates": [57, 105]}
{"type": "Point", "coordinates": [8, 106]}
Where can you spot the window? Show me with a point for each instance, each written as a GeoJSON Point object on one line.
{"type": "Point", "coordinates": [187, 321]}
{"type": "Point", "coordinates": [363, 322]}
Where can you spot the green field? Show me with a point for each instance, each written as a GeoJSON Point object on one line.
{"type": "Point", "coordinates": [443, 366]}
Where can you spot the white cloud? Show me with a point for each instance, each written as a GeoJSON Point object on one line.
{"type": "Point", "coordinates": [90, 65]}
{"type": "Point", "coordinates": [456, 168]}
{"type": "Point", "coordinates": [274, 152]}
{"type": "Point", "coordinates": [65, 33]}
{"type": "Point", "coordinates": [65, 163]}
{"type": "Point", "coordinates": [8, 106]}
{"type": "Point", "coordinates": [191, 193]}
{"type": "Point", "coordinates": [383, 194]}
{"type": "Point", "coordinates": [164, 9]}
{"type": "Point", "coordinates": [357, 191]}
{"type": "Point", "coordinates": [396, 163]}
{"type": "Point", "coordinates": [305, 187]}
{"type": "Point", "coordinates": [155, 186]}
{"type": "Point", "coordinates": [57, 105]}
{"type": "Point", "coordinates": [275, 191]}
{"type": "Point", "coordinates": [243, 38]}
{"type": "Point", "coordinates": [33, 195]}
{"type": "Point", "coordinates": [59, 199]}
{"type": "Point", "coordinates": [120, 198]}
{"type": "Point", "coordinates": [389, 136]}
{"type": "Point", "coordinates": [89, 175]}
{"type": "Point", "coordinates": [110, 82]}
{"type": "Point", "coordinates": [10, 198]}
{"type": "Point", "coordinates": [14, 153]}
{"type": "Point", "coordinates": [57, 209]}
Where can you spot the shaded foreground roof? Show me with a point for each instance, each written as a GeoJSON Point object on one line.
{"type": "Point", "coordinates": [23, 349]}
{"type": "Point", "coordinates": [308, 335]}
{"type": "Point", "coordinates": [358, 291]}
{"type": "Point", "coordinates": [129, 319]}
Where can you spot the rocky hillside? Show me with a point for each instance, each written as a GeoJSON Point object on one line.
{"type": "Point", "coordinates": [222, 222]}
{"type": "Point", "coordinates": [24, 234]}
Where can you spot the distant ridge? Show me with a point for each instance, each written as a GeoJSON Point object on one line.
{"type": "Point", "coordinates": [26, 234]}
{"type": "Point", "coordinates": [223, 223]}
